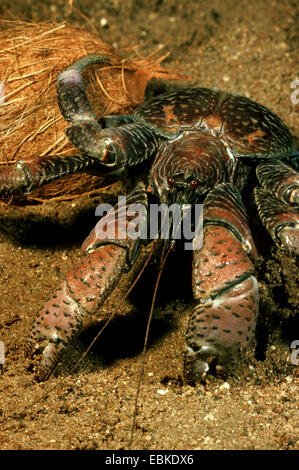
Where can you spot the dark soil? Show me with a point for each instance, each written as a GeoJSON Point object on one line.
{"type": "Point", "coordinates": [243, 47]}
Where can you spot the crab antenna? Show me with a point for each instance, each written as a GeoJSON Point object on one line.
{"type": "Point", "coordinates": [162, 264]}
{"type": "Point", "coordinates": [174, 223]}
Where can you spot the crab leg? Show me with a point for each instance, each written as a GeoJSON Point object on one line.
{"type": "Point", "coordinates": [88, 284]}
{"type": "Point", "coordinates": [26, 175]}
{"type": "Point", "coordinates": [119, 147]}
{"type": "Point", "coordinates": [31, 173]}
{"type": "Point", "coordinates": [279, 214]}
{"type": "Point", "coordinates": [224, 286]}
{"type": "Point", "coordinates": [279, 179]}
{"type": "Point", "coordinates": [72, 99]}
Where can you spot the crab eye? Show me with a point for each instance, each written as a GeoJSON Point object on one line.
{"type": "Point", "coordinates": [194, 184]}
{"type": "Point", "coordinates": [170, 182]}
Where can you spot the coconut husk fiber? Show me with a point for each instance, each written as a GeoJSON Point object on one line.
{"type": "Point", "coordinates": [31, 56]}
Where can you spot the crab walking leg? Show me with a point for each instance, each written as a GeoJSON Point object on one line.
{"type": "Point", "coordinates": [278, 202]}
{"type": "Point", "coordinates": [224, 286]}
{"type": "Point", "coordinates": [29, 174]}
{"type": "Point", "coordinates": [280, 180]}
{"type": "Point", "coordinates": [89, 283]}
{"type": "Point", "coordinates": [280, 219]}
{"type": "Point", "coordinates": [72, 99]}
{"type": "Point", "coordinates": [127, 145]}
{"type": "Point", "coordinates": [26, 175]}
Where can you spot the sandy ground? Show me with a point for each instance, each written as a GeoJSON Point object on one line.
{"type": "Point", "coordinates": [250, 49]}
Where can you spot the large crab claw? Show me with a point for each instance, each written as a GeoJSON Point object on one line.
{"type": "Point", "coordinates": [226, 291]}
{"type": "Point", "coordinates": [88, 284]}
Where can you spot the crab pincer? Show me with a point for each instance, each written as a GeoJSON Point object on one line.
{"type": "Point", "coordinates": [224, 286]}
{"type": "Point", "coordinates": [108, 254]}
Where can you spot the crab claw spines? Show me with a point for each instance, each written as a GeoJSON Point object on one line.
{"type": "Point", "coordinates": [55, 326]}
{"type": "Point", "coordinates": [224, 207]}
{"type": "Point", "coordinates": [219, 327]}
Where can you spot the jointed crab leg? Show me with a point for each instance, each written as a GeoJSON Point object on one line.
{"type": "Point", "coordinates": [280, 219]}
{"type": "Point", "coordinates": [117, 147]}
{"type": "Point", "coordinates": [223, 282]}
{"type": "Point", "coordinates": [279, 179]}
{"type": "Point", "coordinates": [279, 214]}
{"type": "Point", "coordinates": [104, 150]}
{"type": "Point", "coordinates": [32, 173]}
{"type": "Point", "coordinates": [87, 285]}
{"type": "Point", "coordinates": [72, 99]}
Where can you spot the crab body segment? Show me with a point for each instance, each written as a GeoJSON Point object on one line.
{"type": "Point", "coordinates": [201, 145]}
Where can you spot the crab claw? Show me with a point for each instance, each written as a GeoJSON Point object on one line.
{"type": "Point", "coordinates": [87, 286]}
{"type": "Point", "coordinates": [56, 324]}
{"type": "Point", "coordinates": [224, 319]}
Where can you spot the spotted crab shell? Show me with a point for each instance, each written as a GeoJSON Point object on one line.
{"type": "Point", "coordinates": [247, 128]}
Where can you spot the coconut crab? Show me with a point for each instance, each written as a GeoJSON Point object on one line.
{"type": "Point", "coordinates": [202, 145]}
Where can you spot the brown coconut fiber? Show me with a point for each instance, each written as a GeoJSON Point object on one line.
{"type": "Point", "coordinates": [31, 56]}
